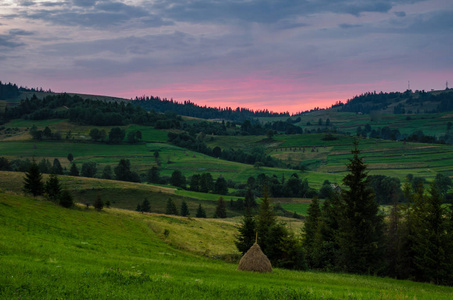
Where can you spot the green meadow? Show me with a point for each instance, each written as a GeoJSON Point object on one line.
{"type": "Point", "coordinates": [322, 160]}
{"type": "Point", "coordinates": [429, 123]}
{"type": "Point", "coordinates": [48, 252]}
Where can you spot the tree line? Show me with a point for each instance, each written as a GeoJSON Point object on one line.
{"type": "Point", "coordinates": [188, 108]}
{"type": "Point", "coordinates": [372, 101]}
{"type": "Point", "coordinates": [350, 233]}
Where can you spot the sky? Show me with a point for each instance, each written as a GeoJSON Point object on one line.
{"type": "Point", "coordinates": [281, 55]}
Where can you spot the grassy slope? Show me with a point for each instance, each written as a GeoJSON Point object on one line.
{"type": "Point", "coordinates": [327, 162]}
{"type": "Point", "coordinates": [121, 194]}
{"type": "Point", "coordinates": [329, 159]}
{"type": "Point", "coordinates": [49, 252]}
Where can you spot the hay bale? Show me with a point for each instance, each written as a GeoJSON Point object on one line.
{"type": "Point", "coordinates": [255, 260]}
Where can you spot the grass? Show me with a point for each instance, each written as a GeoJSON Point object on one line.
{"type": "Point", "coordinates": [324, 160]}
{"type": "Point", "coordinates": [121, 194]}
{"type": "Point", "coordinates": [430, 124]}
{"type": "Point", "coordinates": [49, 252]}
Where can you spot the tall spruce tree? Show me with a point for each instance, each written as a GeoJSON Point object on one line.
{"type": "Point", "coordinates": [265, 219]}
{"type": "Point", "coordinates": [201, 213]}
{"type": "Point", "coordinates": [247, 232]}
{"type": "Point", "coordinates": [57, 168]}
{"type": "Point", "coordinates": [184, 209]}
{"type": "Point", "coordinates": [325, 246]}
{"type": "Point", "coordinates": [220, 210]}
{"type": "Point", "coordinates": [65, 199]}
{"type": "Point", "coordinates": [145, 207]}
{"type": "Point", "coordinates": [393, 242]}
{"type": "Point", "coordinates": [98, 203]}
{"type": "Point", "coordinates": [361, 224]}
{"type": "Point", "coordinates": [33, 180]}
{"type": "Point", "coordinates": [412, 212]}
{"type": "Point", "coordinates": [431, 241]}
{"type": "Point", "coordinates": [74, 171]}
{"type": "Point", "coordinates": [171, 208]}
{"type": "Point", "coordinates": [53, 187]}
{"type": "Point", "coordinates": [309, 230]}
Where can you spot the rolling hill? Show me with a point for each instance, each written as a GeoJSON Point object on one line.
{"type": "Point", "coordinates": [49, 252]}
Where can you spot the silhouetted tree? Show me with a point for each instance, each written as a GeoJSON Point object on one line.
{"type": "Point", "coordinates": [74, 171]}
{"type": "Point", "coordinates": [98, 203]}
{"type": "Point", "coordinates": [220, 211]}
{"type": "Point", "coordinates": [89, 169]}
{"type": "Point", "coordinates": [33, 180]}
{"type": "Point", "coordinates": [171, 208]}
{"type": "Point", "coordinates": [66, 199]}
{"type": "Point", "coordinates": [153, 175]}
{"type": "Point", "coordinates": [361, 224]}
{"type": "Point", "coordinates": [184, 209]}
{"type": "Point", "coordinates": [247, 233]}
{"type": "Point", "coordinates": [116, 135]}
{"type": "Point", "coordinates": [309, 230]}
{"type": "Point", "coordinates": [221, 186]}
{"type": "Point", "coordinates": [201, 213]}
{"type": "Point", "coordinates": [107, 172]}
{"type": "Point", "coordinates": [177, 179]}
{"type": "Point", "coordinates": [52, 187]}
{"type": "Point", "coordinates": [57, 168]}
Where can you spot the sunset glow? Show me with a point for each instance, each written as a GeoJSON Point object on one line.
{"type": "Point", "coordinates": [281, 56]}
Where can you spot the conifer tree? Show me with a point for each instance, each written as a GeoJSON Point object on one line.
{"type": "Point", "coordinates": [57, 168]}
{"type": "Point", "coordinates": [184, 209]}
{"type": "Point", "coordinates": [53, 187]}
{"type": "Point", "coordinates": [145, 207]}
{"type": "Point", "coordinates": [249, 201]}
{"type": "Point", "coordinates": [309, 230]}
{"type": "Point", "coordinates": [220, 211]}
{"type": "Point", "coordinates": [107, 172]}
{"type": "Point", "coordinates": [265, 219]}
{"type": "Point", "coordinates": [74, 171]}
{"type": "Point", "coordinates": [393, 242]}
{"type": "Point", "coordinates": [326, 247]}
{"type": "Point", "coordinates": [153, 175]}
{"type": "Point", "coordinates": [98, 203]}
{"type": "Point", "coordinates": [412, 212]}
{"type": "Point", "coordinates": [361, 224]}
{"type": "Point", "coordinates": [33, 180]}
{"type": "Point", "coordinates": [171, 208]}
{"type": "Point", "coordinates": [201, 213]}
{"type": "Point", "coordinates": [65, 199]}
{"type": "Point", "coordinates": [247, 233]}
{"type": "Point", "coordinates": [221, 186]}
{"type": "Point", "coordinates": [431, 241]}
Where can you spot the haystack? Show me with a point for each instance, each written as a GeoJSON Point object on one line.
{"type": "Point", "coordinates": [255, 260]}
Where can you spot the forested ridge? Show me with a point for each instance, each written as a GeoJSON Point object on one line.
{"type": "Point", "coordinates": [372, 101]}
{"type": "Point", "coordinates": [188, 108]}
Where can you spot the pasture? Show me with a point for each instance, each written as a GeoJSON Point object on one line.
{"type": "Point", "coordinates": [49, 252]}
